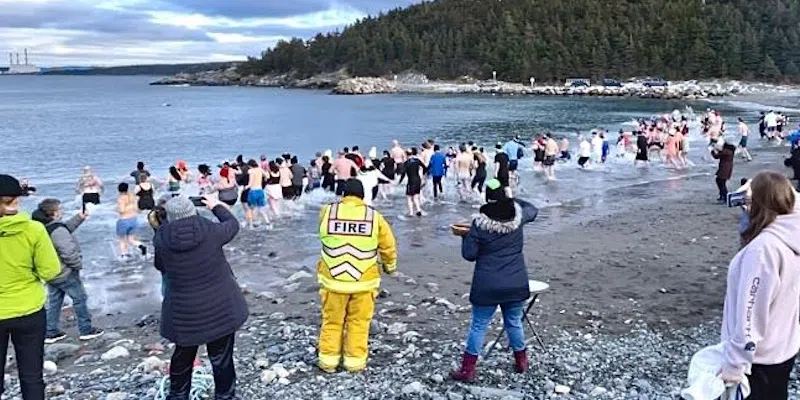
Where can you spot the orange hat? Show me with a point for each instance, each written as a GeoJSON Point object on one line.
{"type": "Point", "coordinates": [181, 165]}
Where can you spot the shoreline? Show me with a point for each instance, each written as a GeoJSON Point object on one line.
{"type": "Point", "coordinates": [633, 295]}
{"type": "Point", "coordinates": [341, 83]}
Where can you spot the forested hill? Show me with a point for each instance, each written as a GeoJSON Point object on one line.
{"type": "Point", "coordinates": [556, 39]}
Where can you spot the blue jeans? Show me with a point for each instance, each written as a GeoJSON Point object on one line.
{"type": "Point", "coordinates": [72, 287]}
{"type": "Point", "coordinates": [482, 316]}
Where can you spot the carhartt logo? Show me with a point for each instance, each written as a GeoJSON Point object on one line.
{"type": "Point", "coordinates": [750, 347]}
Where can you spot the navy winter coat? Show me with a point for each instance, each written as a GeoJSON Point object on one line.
{"type": "Point", "coordinates": [496, 247]}
{"type": "Point", "coordinates": [203, 302]}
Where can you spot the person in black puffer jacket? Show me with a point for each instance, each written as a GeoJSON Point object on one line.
{"type": "Point", "coordinates": [203, 304]}
{"type": "Point", "coordinates": [495, 242]}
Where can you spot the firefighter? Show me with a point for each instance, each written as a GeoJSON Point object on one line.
{"type": "Point", "coordinates": [357, 243]}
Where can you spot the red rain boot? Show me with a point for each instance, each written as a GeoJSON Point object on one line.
{"type": "Point", "coordinates": [467, 372]}
{"type": "Point", "coordinates": [521, 361]}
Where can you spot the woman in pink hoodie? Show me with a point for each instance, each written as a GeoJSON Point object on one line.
{"type": "Point", "coordinates": [760, 329]}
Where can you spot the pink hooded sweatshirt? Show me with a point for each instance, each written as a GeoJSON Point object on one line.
{"type": "Point", "coordinates": [762, 305]}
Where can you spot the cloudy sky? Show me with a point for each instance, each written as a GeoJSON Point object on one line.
{"type": "Point", "coordinates": [123, 32]}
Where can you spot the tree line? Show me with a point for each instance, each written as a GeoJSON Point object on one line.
{"type": "Point", "coordinates": [556, 39]}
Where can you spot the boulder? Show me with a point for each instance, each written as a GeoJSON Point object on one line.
{"type": "Point", "coordinates": [355, 86]}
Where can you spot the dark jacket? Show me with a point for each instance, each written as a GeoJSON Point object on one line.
{"type": "Point", "coordinates": [725, 157]}
{"type": "Point", "coordinates": [495, 244]}
{"type": "Point", "coordinates": [203, 302]}
{"type": "Point", "coordinates": [793, 162]}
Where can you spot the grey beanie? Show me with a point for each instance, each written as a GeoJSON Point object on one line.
{"type": "Point", "coordinates": [179, 208]}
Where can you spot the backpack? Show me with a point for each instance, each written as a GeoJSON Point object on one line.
{"type": "Point", "coordinates": [520, 152]}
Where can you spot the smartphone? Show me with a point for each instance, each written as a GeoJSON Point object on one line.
{"type": "Point", "coordinates": [197, 201]}
{"type": "Point", "coordinates": [737, 199]}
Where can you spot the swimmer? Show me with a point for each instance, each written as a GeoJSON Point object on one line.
{"type": "Point", "coordinates": [563, 147]}
{"type": "Point", "coordinates": [144, 191]}
{"type": "Point", "coordinates": [480, 169]}
{"type": "Point", "coordinates": [672, 149]}
{"type": "Point", "coordinates": [204, 182]}
{"type": "Point", "coordinates": [226, 187]}
{"type": "Point", "coordinates": [138, 172]}
{"type": "Point", "coordinates": [744, 131]}
{"type": "Point", "coordinates": [286, 177]}
{"type": "Point", "coordinates": [174, 181]}
{"type": "Point", "coordinates": [642, 155]}
{"type": "Point", "coordinates": [597, 148]}
{"type": "Point", "coordinates": [89, 187]}
{"type": "Point", "coordinates": [465, 164]}
{"type": "Point", "coordinates": [256, 199]}
{"type": "Point", "coordinates": [538, 153]}
{"type": "Point", "coordinates": [399, 156]}
{"type": "Point", "coordinates": [388, 168]}
{"type": "Point", "coordinates": [584, 151]}
{"type": "Point", "coordinates": [328, 178]}
{"type": "Point", "coordinates": [370, 177]}
{"type": "Point", "coordinates": [415, 174]}
{"type": "Point", "coordinates": [606, 149]}
{"type": "Point", "coordinates": [550, 152]}
{"type": "Point", "coordinates": [501, 170]}
{"type": "Point", "coordinates": [273, 186]}
{"type": "Point", "coordinates": [127, 222]}
{"type": "Point", "coordinates": [183, 169]}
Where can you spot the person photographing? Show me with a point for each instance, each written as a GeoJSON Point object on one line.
{"type": "Point", "coordinates": [760, 330]}
{"type": "Point", "coordinates": [357, 243]}
{"type": "Point", "coordinates": [28, 259]}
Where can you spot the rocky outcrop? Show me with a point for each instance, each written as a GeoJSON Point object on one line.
{"type": "Point", "coordinates": [365, 86]}
{"type": "Point", "coordinates": [230, 77]}
{"type": "Point", "coordinates": [226, 77]}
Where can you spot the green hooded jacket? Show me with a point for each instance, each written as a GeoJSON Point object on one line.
{"type": "Point", "coordinates": [27, 257]}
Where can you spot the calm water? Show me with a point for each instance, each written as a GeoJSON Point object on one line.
{"type": "Point", "coordinates": [53, 126]}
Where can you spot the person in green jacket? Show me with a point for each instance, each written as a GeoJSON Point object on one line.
{"type": "Point", "coordinates": [27, 260]}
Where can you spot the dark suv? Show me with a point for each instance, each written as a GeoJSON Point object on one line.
{"type": "Point", "coordinates": [655, 82]}
{"type": "Point", "coordinates": [611, 83]}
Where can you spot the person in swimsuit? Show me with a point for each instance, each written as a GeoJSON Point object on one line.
{"type": "Point", "coordinates": [564, 148]}
{"type": "Point", "coordinates": [286, 178]}
{"type": "Point", "coordinates": [538, 154]}
{"type": "Point", "coordinates": [138, 172]}
{"type": "Point", "coordinates": [550, 152]}
{"type": "Point", "coordinates": [226, 188]}
{"type": "Point", "coordinates": [144, 190]}
{"type": "Point", "coordinates": [744, 130]}
{"type": "Point", "coordinates": [465, 163]}
{"type": "Point", "coordinates": [127, 222]}
{"type": "Point", "coordinates": [584, 151]}
{"type": "Point", "coordinates": [273, 186]}
{"type": "Point", "coordinates": [183, 170]}
{"type": "Point", "coordinates": [388, 168]}
{"type": "Point", "coordinates": [89, 187]}
{"type": "Point", "coordinates": [328, 179]}
{"type": "Point", "coordinates": [479, 165]}
{"type": "Point", "coordinates": [642, 156]}
{"type": "Point", "coordinates": [174, 181]}
{"type": "Point", "coordinates": [415, 175]}
{"type": "Point", "coordinates": [256, 199]}
{"type": "Point", "coordinates": [205, 182]}
{"type": "Point", "coordinates": [672, 149]}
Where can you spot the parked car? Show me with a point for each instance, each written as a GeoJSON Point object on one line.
{"type": "Point", "coordinates": [611, 83]}
{"type": "Point", "coordinates": [577, 83]}
{"type": "Point", "coordinates": [655, 82]}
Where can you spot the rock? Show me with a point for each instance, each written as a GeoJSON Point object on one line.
{"type": "Point", "coordinates": [493, 393]}
{"type": "Point", "coordinates": [292, 287]}
{"type": "Point", "coordinates": [115, 353]}
{"type": "Point", "coordinates": [454, 396]}
{"type": "Point", "coordinates": [598, 391]}
{"type": "Point", "coordinates": [269, 296]}
{"type": "Point", "coordinates": [283, 381]}
{"type": "Point", "coordinates": [50, 367]}
{"type": "Point", "coordinates": [397, 328]}
{"type": "Point", "coordinates": [56, 389]}
{"type": "Point", "coordinates": [151, 364]}
{"type": "Point", "coordinates": [268, 376]}
{"type": "Point", "coordinates": [280, 370]}
{"type": "Point", "coordinates": [262, 363]}
{"type": "Point", "coordinates": [446, 303]}
{"type": "Point", "coordinates": [562, 389]}
{"type": "Point", "coordinates": [437, 378]}
{"type": "Point", "coordinates": [365, 86]}
{"type": "Point", "coordinates": [59, 351]}
{"type": "Point", "coordinates": [432, 287]}
{"type": "Point", "coordinates": [413, 388]}
{"type": "Point", "coordinates": [86, 359]}
{"type": "Point", "coordinates": [117, 396]}
{"type": "Point", "coordinates": [299, 275]}
{"type": "Point", "coordinates": [277, 316]}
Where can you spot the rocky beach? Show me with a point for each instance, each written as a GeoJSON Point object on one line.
{"type": "Point", "coordinates": [637, 285]}
{"type": "Point", "coordinates": [341, 83]}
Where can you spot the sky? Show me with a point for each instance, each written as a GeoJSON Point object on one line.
{"type": "Point", "coordinates": [127, 32]}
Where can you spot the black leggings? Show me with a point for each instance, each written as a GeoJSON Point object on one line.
{"type": "Point", "coordinates": [723, 189]}
{"type": "Point", "coordinates": [478, 181]}
{"type": "Point", "coordinates": [220, 352]}
{"type": "Point", "coordinates": [437, 186]}
{"type": "Point", "coordinates": [27, 333]}
{"type": "Point", "coordinates": [770, 382]}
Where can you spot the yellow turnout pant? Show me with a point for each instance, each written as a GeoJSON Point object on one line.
{"type": "Point", "coordinates": [345, 318]}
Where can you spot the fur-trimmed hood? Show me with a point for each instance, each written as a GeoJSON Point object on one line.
{"type": "Point", "coordinates": [486, 223]}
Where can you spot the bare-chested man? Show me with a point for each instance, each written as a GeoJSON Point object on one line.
{"type": "Point", "coordinates": [399, 156]}
{"type": "Point", "coordinates": [465, 163]}
{"type": "Point", "coordinates": [256, 198]}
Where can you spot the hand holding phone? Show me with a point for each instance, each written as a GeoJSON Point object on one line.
{"type": "Point", "coordinates": [198, 201]}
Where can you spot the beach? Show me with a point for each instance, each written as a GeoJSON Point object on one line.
{"type": "Point", "coordinates": [636, 286]}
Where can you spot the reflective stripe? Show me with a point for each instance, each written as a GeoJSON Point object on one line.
{"type": "Point", "coordinates": [338, 286]}
{"type": "Point", "coordinates": [329, 361]}
{"type": "Point", "coordinates": [351, 250]}
{"type": "Point", "coordinates": [346, 268]}
{"type": "Point", "coordinates": [334, 211]}
{"type": "Point", "coordinates": [355, 364]}
{"type": "Point", "coordinates": [369, 215]}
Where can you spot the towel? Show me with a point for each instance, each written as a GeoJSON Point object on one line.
{"type": "Point", "coordinates": [704, 382]}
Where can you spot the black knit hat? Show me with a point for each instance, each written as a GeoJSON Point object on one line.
{"type": "Point", "coordinates": [354, 188]}
{"type": "Point", "coordinates": [10, 187]}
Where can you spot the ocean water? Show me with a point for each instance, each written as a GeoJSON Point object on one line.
{"type": "Point", "coordinates": [53, 126]}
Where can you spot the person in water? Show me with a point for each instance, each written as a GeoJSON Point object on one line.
{"type": "Point", "coordinates": [744, 131]}
{"type": "Point", "coordinates": [205, 182]}
{"type": "Point", "coordinates": [550, 153]}
{"type": "Point", "coordinates": [438, 170]}
{"type": "Point", "coordinates": [174, 181]}
{"type": "Point", "coordinates": [144, 190]}
{"type": "Point", "coordinates": [256, 198]}
{"type": "Point", "coordinates": [273, 187]}
{"type": "Point", "coordinates": [226, 187]}
{"type": "Point", "coordinates": [642, 154]}
{"type": "Point", "coordinates": [564, 148]}
{"type": "Point", "coordinates": [415, 175]}
{"type": "Point", "coordinates": [480, 169]}
{"type": "Point", "coordinates": [127, 222]}
{"type": "Point", "coordinates": [299, 174]}
{"type": "Point", "coordinates": [89, 186]}
{"type": "Point", "coordinates": [465, 164]}
{"type": "Point", "coordinates": [328, 177]}
{"type": "Point", "coordinates": [139, 172]}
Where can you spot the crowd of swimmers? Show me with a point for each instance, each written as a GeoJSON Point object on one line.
{"type": "Point", "coordinates": [262, 185]}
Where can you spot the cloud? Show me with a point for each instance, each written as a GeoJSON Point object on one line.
{"type": "Point", "coordinates": [119, 32]}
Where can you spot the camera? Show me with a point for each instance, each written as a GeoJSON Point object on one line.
{"type": "Point", "coordinates": [737, 199]}
{"type": "Point", "coordinates": [197, 201]}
